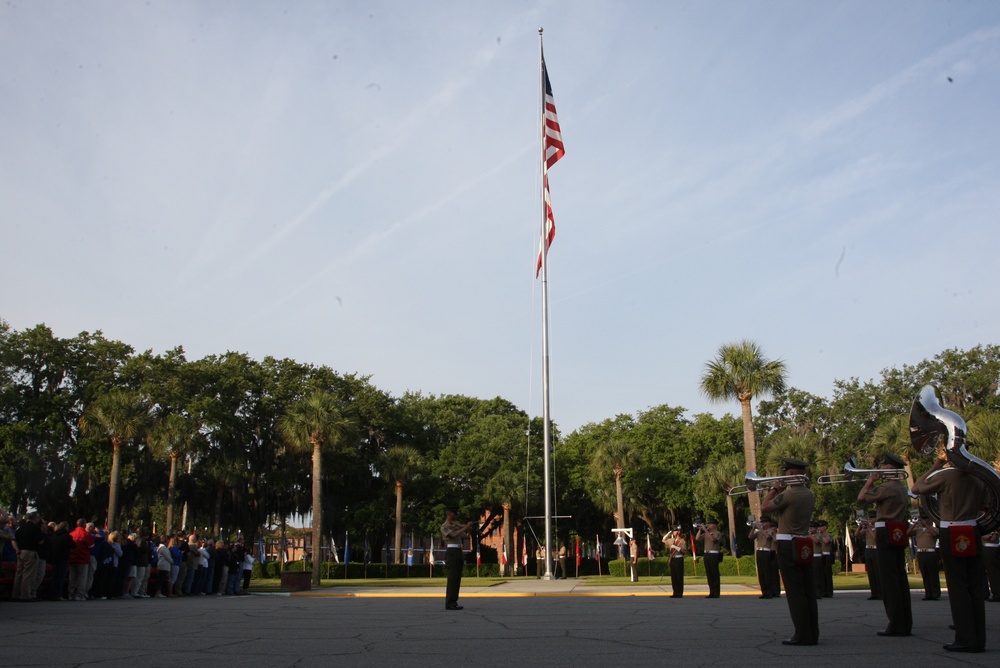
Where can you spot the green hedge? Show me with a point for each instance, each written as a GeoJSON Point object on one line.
{"type": "Point", "coordinates": [661, 566]}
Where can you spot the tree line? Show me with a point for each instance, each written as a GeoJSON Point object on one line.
{"type": "Point", "coordinates": [91, 428]}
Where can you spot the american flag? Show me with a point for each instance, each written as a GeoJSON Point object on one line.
{"type": "Point", "coordinates": [552, 151]}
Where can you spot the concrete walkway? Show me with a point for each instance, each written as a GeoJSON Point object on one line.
{"type": "Point", "coordinates": [520, 623]}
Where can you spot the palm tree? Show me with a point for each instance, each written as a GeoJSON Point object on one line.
{"type": "Point", "coordinates": [740, 371]}
{"type": "Point", "coordinates": [398, 464]}
{"type": "Point", "coordinates": [718, 477]}
{"type": "Point", "coordinates": [314, 422]}
{"type": "Point", "coordinates": [119, 415]}
{"type": "Point", "coordinates": [984, 437]}
{"type": "Point", "coordinates": [892, 435]}
{"type": "Point", "coordinates": [616, 456]}
{"type": "Point", "coordinates": [506, 487]}
{"type": "Point", "coordinates": [174, 436]}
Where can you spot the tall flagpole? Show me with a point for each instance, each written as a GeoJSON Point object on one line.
{"type": "Point", "coordinates": [546, 418]}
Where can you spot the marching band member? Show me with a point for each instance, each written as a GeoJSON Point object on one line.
{"type": "Point", "coordinates": [891, 511]}
{"type": "Point", "coordinates": [991, 558]}
{"type": "Point", "coordinates": [960, 499]}
{"type": "Point", "coordinates": [826, 548]}
{"type": "Point", "coordinates": [712, 538]}
{"type": "Point", "coordinates": [927, 555]}
{"type": "Point", "coordinates": [793, 506]}
{"type": "Point", "coordinates": [678, 549]}
{"type": "Point", "coordinates": [866, 530]}
{"type": "Point", "coordinates": [761, 534]}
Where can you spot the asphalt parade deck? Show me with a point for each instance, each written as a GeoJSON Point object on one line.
{"type": "Point", "coordinates": [529, 622]}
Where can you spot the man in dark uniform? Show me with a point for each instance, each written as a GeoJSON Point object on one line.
{"type": "Point", "coordinates": [928, 559]}
{"type": "Point", "coordinates": [713, 557]}
{"type": "Point", "coordinates": [793, 504]}
{"type": "Point", "coordinates": [891, 512]}
{"type": "Point", "coordinates": [960, 498]}
{"type": "Point", "coordinates": [452, 534]}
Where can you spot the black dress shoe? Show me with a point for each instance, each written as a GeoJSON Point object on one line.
{"type": "Point", "coordinates": [452, 607]}
{"type": "Point", "coordinates": [763, 597]}
{"type": "Point", "coordinates": [793, 641]}
{"type": "Point", "coordinates": [893, 634]}
{"type": "Point", "coordinates": [952, 647]}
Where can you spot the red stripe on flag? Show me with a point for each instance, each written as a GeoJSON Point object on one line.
{"type": "Point", "coordinates": [552, 151]}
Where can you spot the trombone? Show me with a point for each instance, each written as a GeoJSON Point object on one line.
{"type": "Point", "coordinates": [754, 484]}
{"type": "Point", "coordinates": [853, 474]}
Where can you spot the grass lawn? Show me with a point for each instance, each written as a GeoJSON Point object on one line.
{"type": "Point", "coordinates": [841, 582]}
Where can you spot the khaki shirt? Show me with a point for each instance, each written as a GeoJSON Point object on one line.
{"type": "Point", "coordinates": [793, 508]}
{"type": "Point", "coordinates": [960, 495]}
{"type": "Point", "coordinates": [891, 501]}
{"type": "Point", "coordinates": [712, 540]}
{"type": "Point", "coordinates": [762, 540]}
{"type": "Point", "coordinates": [450, 532]}
{"type": "Point", "coordinates": [926, 537]}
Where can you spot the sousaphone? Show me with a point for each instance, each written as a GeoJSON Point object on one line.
{"type": "Point", "coordinates": [930, 425]}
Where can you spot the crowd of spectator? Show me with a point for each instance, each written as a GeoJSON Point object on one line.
{"type": "Point", "coordinates": [88, 563]}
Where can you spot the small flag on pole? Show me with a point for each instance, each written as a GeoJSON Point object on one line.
{"type": "Point", "coordinates": [578, 552]}
{"type": "Point", "coordinates": [649, 548]}
{"type": "Point", "coordinates": [333, 551]}
{"type": "Point", "coordinates": [552, 151]}
{"type": "Point", "coordinates": [347, 550]}
{"type": "Point", "coordinates": [597, 552]}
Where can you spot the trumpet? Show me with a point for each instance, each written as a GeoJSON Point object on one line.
{"type": "Point", "coordinates": [754, 484]}
{"type": "Point", "coordinates": [853, 474]}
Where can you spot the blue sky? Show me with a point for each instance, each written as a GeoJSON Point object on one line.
{"type": "Point", "coordinates": [356, 184]}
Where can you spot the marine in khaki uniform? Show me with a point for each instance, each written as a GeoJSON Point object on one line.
{"type": "Point", "coordinates": [826, 549]}
{"type": "Point", "coordinates": [991, 557]}
{"type": "Point", "coordinates": [960, 500]}
{"type": "Point", "coordinates": [712, 538]}
{"type": "Point", "coordinates": [928, 558]}
{"type": "Point", "coordinates": [677, 547]}
{"type": "Point", "coordinates": [452, 533]}
{"type": "Point", "coordinates": [792, 505]}
{"type": "Point", "coordinates": [762, 533]}
{"type": "Point", "coordinates": [867, 531]}
{"type": "Point", "coordinates": [892, 506]}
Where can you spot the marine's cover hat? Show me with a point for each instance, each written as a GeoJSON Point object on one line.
{"type": "Point", "coordinates": [893, 460]}
{"type": "Point", "coordinates": [789, 463]}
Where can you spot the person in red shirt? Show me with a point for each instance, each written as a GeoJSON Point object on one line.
{"type": "Point", "coordinates": [79, 561]}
